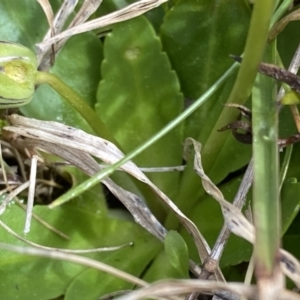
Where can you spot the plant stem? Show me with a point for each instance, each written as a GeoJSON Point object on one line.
{"type": "Point", "coordinates": [266, 208]}
{"type": "Point", "coordinates": [78, 103]}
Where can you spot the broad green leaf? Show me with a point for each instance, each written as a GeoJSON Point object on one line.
{"type": "Point", "coordinates": [138, 95]}
{"type": "Point", "coordinates": [86, 222]}
{"type": "Point", "coordinates": [92, 284]}
{"type": "Point", "coordinates": [237, 251]}
{"type": "Point", "coordinates": [23, 22]}
{"type": "Point", "coordinates": [39, 278]}
{"type": "Point", "coordinates": [199, 36]}
{"type": "Point", "coordinates": [161, 268]}
{"type": "Point", "coordinates": [177, 252]}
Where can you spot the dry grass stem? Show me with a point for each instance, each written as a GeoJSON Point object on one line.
{"type": "Point", "coordinates": [133, 10]}
{"type": "Point", "coordinates": [86, 10]}
{"type": "Point", "coordinates": [280, 25]}
{"type": "Point", "coordinates": [46, 6]}
{"type": "Point", "coordinates": [236, 221]}
{"type": "Point", "coordinates": [168, 288]}
{"type": "Point", "coordinates": [13, 194]}
{"type": "Point", "coordinates": [31, 191]}
{"type": "Point", "coordinates": [59, 134]}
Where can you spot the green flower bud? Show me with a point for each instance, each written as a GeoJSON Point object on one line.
{"type": "Point", "coordinates": [18, 69]}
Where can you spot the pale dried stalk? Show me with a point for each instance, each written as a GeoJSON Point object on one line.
{"type": "Point", "coordinates": [65, 139]}
{"type": "Point", "coordinates": [46, 6]}
{"type": "Point", "coordinates": [18, 157]}
{"type": "Point", "coordinates": [131, 11]}
{"type": "Point", "coordinates": [68, 137]}
{"type": "Point", "coordinates": [13, 194]}
{"type": "Point", "coordinates": [31, 190]}
{"type": "Point", "coordinates": [280, 25]}
{"type": "Point", "coordinates": [236, 221]}
{"type": "Point", "coordinates": [85, 162]}
{"type": "Point", "coordinates": [43, 55]}
{"type": "Point", "coordinates": [86, 10]}
{"type": "Point", "coordinates": [179, 287]}
{"type": "Point", "coordinates": [239, 201]}
{"type": "Point", "coordinates": [61, 16]}
{"type": "Point", "coordinates": [157, 169]}
{"type": "Point", "coordinates": [3, 169]}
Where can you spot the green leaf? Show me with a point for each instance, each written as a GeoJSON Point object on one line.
{"type": "Point", "coordinates": [92, 284]}
{"type": "Point", "coordinates": [85, 221]}
{"type": "Point", "coordinates": [177, 252]}
{"type": "Point", "coordinates": [161, 268]}
{"type": "Point", "coordinates": [236, 251]}
{"type": "Point", "coordinates": [199, 36]}
{"type": "Point", "coordinates": [80, 221]}
{"type": "Point", "coordinates": [139, 94]}
{"type": "Point", "coordinates": [23, 22]}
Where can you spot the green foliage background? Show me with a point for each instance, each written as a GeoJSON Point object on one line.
{"type": "Point", "coordinates": [138, 78]}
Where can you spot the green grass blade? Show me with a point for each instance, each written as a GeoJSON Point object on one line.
{"type": "Point", "coordinates": [74, 192]}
